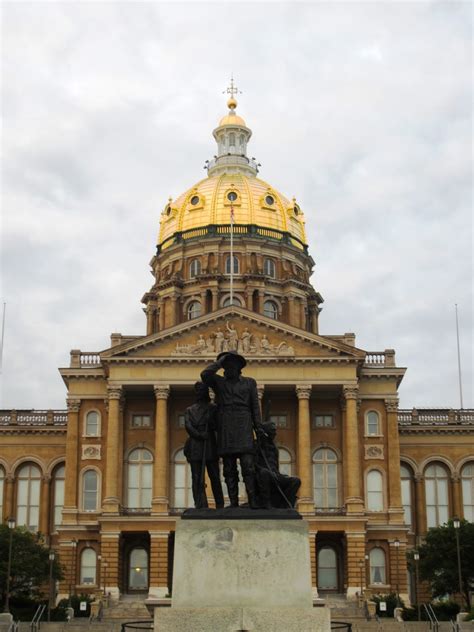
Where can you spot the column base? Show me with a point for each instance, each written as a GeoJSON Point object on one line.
{"type": "Point", "coordinates": [158, 592]}
{"type": "Point", "coordinates": [111, 508]}
{"type": "Point", "coordinates": [159, 506]}
{"type": "Point", "coordinates": [354, 504]}
{"type": "Point", "coordinates": [69, 515]}
{"type": "Point", "coordinates": [305, 506]}
{"type": "Point", "coordinates": [396, 515]}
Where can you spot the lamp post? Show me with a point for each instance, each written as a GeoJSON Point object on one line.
{"type": "Point", "coordinates": [72, 584]}
{"type": "Point", "coordinates": [99, 580]}
{"type": "Point", "coordinates": [416, 557]}
{"type": "Point", "coordinates": [397, 546]}
{"type": "Point", "coordinates": [105, 579]}
{"type": "Point", "coordinates": [361, 566]}
{"type": "Point", "coordinates": [11, 525]}
{"type": "Point", "coordinates": [457, 525]}
{"type": "Point", "coordinates": [51, 560]}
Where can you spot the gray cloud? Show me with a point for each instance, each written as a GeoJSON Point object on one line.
{"type": "Point", "coordinates": [361, 110]}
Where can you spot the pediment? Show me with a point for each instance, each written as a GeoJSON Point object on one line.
{"type": "Point", "coordinates": [253, 335]}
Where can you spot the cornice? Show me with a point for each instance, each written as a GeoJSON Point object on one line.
{"type": "Point", "coordinates": [24, 430]}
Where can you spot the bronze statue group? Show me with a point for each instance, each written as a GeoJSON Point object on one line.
{"type": "Point", "coordinates": [231, 429]}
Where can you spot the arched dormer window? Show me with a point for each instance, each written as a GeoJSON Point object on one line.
{"type": "Point", "coordinates": [194, 268]}
{"type": "Point", "coordinates": [436, 490]}
{"type": "Point", "coordinates": [28, 496]}
{"type": "Point", "coordinates": [270, 309]}
{"type": "Point", "coordinates": [194, 310]}
{"type": "Point", "coordinates": [372, 424]}
{"type": "Point", "coordinates": [92, 424]}
{"type": "Point", "coordinates": [88, 566]}
{"type": "Point", "coordinates": [375, 491]}
{"type": "Point", "coordinates": [269, 268]}
{"type": "Point", "coordinates": [228, 265]}
{"type": "Point", "coordinates": [90, 489]}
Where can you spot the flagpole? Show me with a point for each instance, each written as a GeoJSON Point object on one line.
{"type": "Point", "coordinates": [459, 356]}
{"type": "Point", "coordinates": [231, 254]}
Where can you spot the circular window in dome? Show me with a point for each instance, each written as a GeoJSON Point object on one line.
{"type": "Point", "coordinates": [232, 196]}
{"type": "Point", "coordinates": [194, 200]}
{"type": "Point", "coordinates": [168, 210]}
{"type": "Point", "coordinates": [270, 200]}
{"type": "Point", "coordinates": [296, 210]}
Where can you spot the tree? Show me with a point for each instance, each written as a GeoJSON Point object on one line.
{"type": "Point", "coordinates": [439, 561]}
{"type": "Point", "coordinates": [30, 563]}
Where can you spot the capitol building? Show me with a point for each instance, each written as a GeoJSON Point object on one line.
{"type": "Point", "coordinates": [106, 480]}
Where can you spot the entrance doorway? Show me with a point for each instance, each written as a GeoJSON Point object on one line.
{"type": "Point", "coordinates": [327, 569]}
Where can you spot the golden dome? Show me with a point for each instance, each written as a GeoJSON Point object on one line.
{"type": "Point", "coordinates": [232, 119]}
{"type": "Point", "coordinates": [207, 203]}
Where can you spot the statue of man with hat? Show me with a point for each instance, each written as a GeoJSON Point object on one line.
{"type": "Point", "coordinates": [238, 415]}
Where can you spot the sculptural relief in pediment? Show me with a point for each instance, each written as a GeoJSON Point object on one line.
{"type": "Point", "coordinates": [229, 338]}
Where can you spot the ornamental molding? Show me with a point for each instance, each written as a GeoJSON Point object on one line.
{"type": "Point", "coordinates": [374, 452]}
{"type": "Point", "coordinates": [162, 391]}
{"type": "Point", "coordinates": [391, 405]}
{"type": "Point", "coordinates": [90, 452]}
{"type": "Point", "coordinates": [350, 392]}
{"type": "Point", "coordinates": [303, 391]}
{"type": "Point", "coordinates": [73, 405]}
{"type": "Point", "coordinates": [114, 392]}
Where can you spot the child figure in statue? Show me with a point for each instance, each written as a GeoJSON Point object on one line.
{"type": "Point", "coordinates": [201, 448]}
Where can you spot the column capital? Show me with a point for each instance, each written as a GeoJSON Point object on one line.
{"type": "Point", "coordinates": [350, 392]}
{"type": "Point", "coordinates": [418, 478]}
{"type": "Point", "coordinates": [73, 405]}
{"type": "Point", "coordinates": [303, 391]}
{"type": "Point", "coordinates": [455, 478]}
{"type": "Point", "coordinates": [391, 405]}
{"type": "Point", "coordinates": [114, 392]}
{"type": "Point", "coordinates": [46, 478]}
{"type": "Point", "coordinates": [162, 391]}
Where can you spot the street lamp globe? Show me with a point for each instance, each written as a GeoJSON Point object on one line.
{"type": "Point", "coordinates": [456, 523]}
{"type": "Point", "coordinates": [11, 523]}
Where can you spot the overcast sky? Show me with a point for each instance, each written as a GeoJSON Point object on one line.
{"type": "Point", "coordinates": [360, 110]}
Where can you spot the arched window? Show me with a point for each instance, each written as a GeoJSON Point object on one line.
{"type": "Point", "coordinates": [327, 569]}
{"type": "Point", "coordinates": [232, 139]}
{"type": "Point", "coordinates": [28, 497]}
{"type": "Point", "coordinates": [183, 496]}
{"type": "Point", "coordinates": [138, 569]}
{"type": "Point", "coordinates": [436, 490]}
{"type": "Point", "coordinates": [284, 458]}
{"type": "Point", "coordinates": [269, 268]}
{"type": "Point", "coordinates": [467, 478]}
{"type": "Point", "coordinates": [374, 491]}
{"type": "Point", "coordinates": [325, 475]}
{"type": "Point", "coordinates": [140, 470]}
{"type": "Point", "coordinates": [377, 566]}
{"type": "Point", "coordinates": [228, 268]}
{"type": "Point", "coordinates": [2, 484]}
{"type": "Point", "coordinates": [194, 310]}
{"type": "Point", "coordinates": [406, 479]}
{"type": "Point", "coordinates": [88, 566]}
{"type": "Point", "coordinates": [235, 301]}
{"type": "Point", "coordinates": [270, 309]}
{"type": "Point", "coordinates": [373, 423]}
{"type": "Point", "coordinates": [58, 500]}
{"type": "Point", "coordinates": [92, 424]}
{"type": "Point", "coordinates": [90, 486]}
{"type": "Point", "coordinates": [194, 268]}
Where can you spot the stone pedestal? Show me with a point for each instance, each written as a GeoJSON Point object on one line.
{"type": "Point", "coordinates": [246, 574]}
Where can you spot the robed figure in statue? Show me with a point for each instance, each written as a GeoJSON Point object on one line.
{"type": "Point", "coordinates": [238, 416]}
{"type": "Point", "coordinates": [201, 448]}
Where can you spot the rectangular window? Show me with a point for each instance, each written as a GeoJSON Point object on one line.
{"type": "Point", "coordinates": [280, 421]}
{"type": "Point", "coordinates": [141, 421]}
{"type": "Point", "coordinates": [323, 421]}
{"type": "Point", "coordinates": [181, 421]}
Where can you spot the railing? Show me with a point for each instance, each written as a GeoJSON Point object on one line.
{"type": "Point", "coordinates": [84, 358]}
{"type": "Point", "coordinates": [436, 417]}
{"type": "Point", "coordinates": [380, 358]}
{"type": "Point", "coordinates": [36, 620]}
{"type": "Point", "coordinates": [33, 417]}
{"type": "Point", "coordinates": [223, 230]}
{"type": "Point", "coordinates": [434, 623]}
{"type": "Point", "coordinates": [14, 626]}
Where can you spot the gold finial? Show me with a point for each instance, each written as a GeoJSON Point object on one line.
{"type": "Point", "coordinates": [232, 90]}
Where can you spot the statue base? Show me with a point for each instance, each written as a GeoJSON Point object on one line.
{"type": "Point", "coordinates": [241, 513]}
{"type": "Point", "coordinates": [245, 574]}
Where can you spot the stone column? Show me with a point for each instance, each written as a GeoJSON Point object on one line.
{"type": "Point", "coordinates": [291, 311]}
{"type": "Point", "coordinates": [354, 502]}
{"type": "Point", "coordinates": [355, 552]}
{"type": "Point", "coordinates": [261, 296]}
{"type": "Point", "coordinates": [174, 310]}
{"type": "Point", "coordinates": [161, 314]}
{"type": "Point", "coordinates": [305, 502]}
{"type": "Point", "coordinates": [215, 300]}
{"type": "Point", "coordinates": [150, 316]}
{"type": "Point", "coordinates": [393, 448]}
{"type": "Point", "coordinates": [8, 511]}
{"type": "Point", "coordinates": [203, 303]}
{"type": "Point", "coordinates": [44, 522]}
{"type": "Point", "coordinates": [457, 496]}
{"type": "Point", "coordinates": [112, 494]}
{"type": "Point", "coordinates": [314, 563]}
{"type": "Point", "coordinates": [160, 501]}
{"type": "Point", "coordinates": [158, 565]}
{"type": "Point", "coordinates": [420, 506]}
{"type": "Point", "coordinates": [110, 551]}
{"type": "Point", "coordinates": [72, 445]}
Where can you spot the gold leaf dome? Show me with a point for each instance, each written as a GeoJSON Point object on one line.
{"type": "Point", "coordinates": [256, 203]}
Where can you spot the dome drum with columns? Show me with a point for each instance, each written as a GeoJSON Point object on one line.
{"type": "Point", "coordinates": [272, 266]}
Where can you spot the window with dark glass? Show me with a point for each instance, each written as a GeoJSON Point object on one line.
{"type": "Point", "coordinates": [323, 421]}
{"type": "Point", "coordinates": [270, 309]}
{"type": "Point", "coordinates": [269, 268]}
{"type": "Point", "coordinates": [232, 196]}
{"type": "Point", "coordinates": [227, 265]}
{"type": "Point", "coordinates": [194, 310]}
{"type": "Point", "coordinates": [269, 200]}
{"type": "Point", "coordinates": [194, 268]}
{"type": "Point", "coordinates": [195, 200]}
{"type": "Point", "coordinates": [141, 421]}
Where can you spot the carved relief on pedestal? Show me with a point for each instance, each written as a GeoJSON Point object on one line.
{"type": "Point", "coordinates": [232, 339]}
{"type": "Point", "coordinates": [374, 452]}
{"type": "Point", "coordinates": [91, 452]}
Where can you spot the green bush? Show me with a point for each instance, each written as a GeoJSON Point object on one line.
{"type": "Point", "coordinates": [445, 610]}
